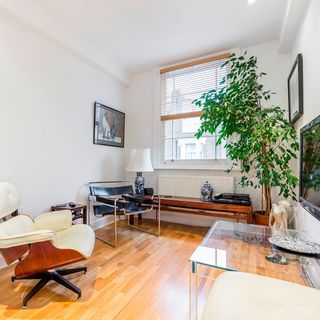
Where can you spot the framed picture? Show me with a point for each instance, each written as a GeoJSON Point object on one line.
{"type": "Point", "coordinates": [108, 126]}
{"type": "Point", "coordinates": [295, 90]}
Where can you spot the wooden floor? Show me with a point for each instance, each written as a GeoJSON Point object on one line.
{"type": "Point", "coordinates": [144, 278]}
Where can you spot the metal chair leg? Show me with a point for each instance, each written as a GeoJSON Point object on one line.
{"type": "Point", "coordinates": [159, 220]}
{"type": "Point", "coordinates": [157, 234]}
{"type": "Point", "coordinates": [34, 290]}
{"type": "Point", "coordinates": [115, 228]}
{"type": "Point", "coordinates": [115, 234]}
{"type": "Point", "coordinates": [66, 283]}
{"type": "Point", "coordinates": [45, 277]}
{"type": "Point", "coordinates": [64, 272]}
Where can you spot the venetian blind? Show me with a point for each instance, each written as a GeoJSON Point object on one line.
{"type": "Point", "coordinates": [182, 84]}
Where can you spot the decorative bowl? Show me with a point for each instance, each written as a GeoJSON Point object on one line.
{"type": "Point", "coordinates": [295, 245]}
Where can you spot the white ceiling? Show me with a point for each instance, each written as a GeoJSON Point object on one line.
{"type": "Point", "coordinates": [140, 34]}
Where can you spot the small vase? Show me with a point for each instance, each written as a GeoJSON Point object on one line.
{"type": "Point", "coordinates": [207, 191]}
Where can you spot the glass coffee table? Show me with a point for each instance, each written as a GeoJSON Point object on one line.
{"type": "Point", "coordinates": [231, 246]}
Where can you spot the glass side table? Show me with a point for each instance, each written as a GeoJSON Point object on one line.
{"type": "Point", "coordinates": [231, 246]}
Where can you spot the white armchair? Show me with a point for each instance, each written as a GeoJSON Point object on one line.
{"type": "Point", "coordinates": [47, 243]}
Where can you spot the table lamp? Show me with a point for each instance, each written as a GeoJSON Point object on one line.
{"type": "Point", "coordinates": [139, 162]}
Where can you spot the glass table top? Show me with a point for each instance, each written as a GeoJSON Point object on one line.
{"type": "Point", "coordinates": [244, 247]}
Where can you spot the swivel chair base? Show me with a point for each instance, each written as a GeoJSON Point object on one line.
{"type": "Point", "coordinates": [55, 275]}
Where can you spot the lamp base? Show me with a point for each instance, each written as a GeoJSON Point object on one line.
{"type": "Point", "coordinates": [139, 183]}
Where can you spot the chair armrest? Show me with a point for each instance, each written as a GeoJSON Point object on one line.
{"type": "Point", "coordinates": [138, 199]}
{"type": "Point", "coordinates": [26, 238]}
{"type": "Point", "coordinates": [156, 199]}
{"type": "Point", "coordinates": [55, 221]}
{"type": "Point", "coordinates": [92, 198]}
{"type": "Point", "coordinates": [107, 201]}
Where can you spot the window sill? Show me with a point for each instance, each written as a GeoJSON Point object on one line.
{"type": "Point", "coordinates": [220, 165]}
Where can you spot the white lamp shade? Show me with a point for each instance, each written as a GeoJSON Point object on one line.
{"type": "Point", "coordinates": [140, 161]}
{"type": "Point", "coordinates": [9, 198]}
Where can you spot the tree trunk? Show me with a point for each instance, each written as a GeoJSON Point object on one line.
{"type": "Point", "coordinates": [266, 190]}
{"type": "Point", "coordinates": [267, 197]}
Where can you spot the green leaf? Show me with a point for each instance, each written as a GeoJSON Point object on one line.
{"type": "Point", "coordinates": [263, 140]}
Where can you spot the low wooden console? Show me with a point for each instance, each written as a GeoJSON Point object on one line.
{"type": "Point", "coordinates": [235, 212]}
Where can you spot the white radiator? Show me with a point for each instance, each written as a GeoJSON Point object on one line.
{"type": "Point", "coordinates": [190, 186]}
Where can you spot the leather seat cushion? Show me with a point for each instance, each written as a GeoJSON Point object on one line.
{"type": "Point", "coordinates": [16, 226]}
{"type": "Point", "coordinates": [237, 295]}
{"type": "Point", "coordinates": [79, 237]}
{"type": "Point", "coordinates": [55, 221]}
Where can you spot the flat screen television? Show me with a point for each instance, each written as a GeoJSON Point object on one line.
{"type": "Point", "coordinates": [310, 167]}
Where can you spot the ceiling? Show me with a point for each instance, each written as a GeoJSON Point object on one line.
{"type": "Point", "coordinates": [141, 34]}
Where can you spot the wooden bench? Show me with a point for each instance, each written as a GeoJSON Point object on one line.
{"type": "Point", "coordinates": [235, 212]}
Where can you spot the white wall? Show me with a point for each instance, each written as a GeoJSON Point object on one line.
{"type": "Point", "coordinates": [277, 67]}
{"type": "Point", "coordinates": [307, 43]}
{"type": "Point", "coordinates": [139, 103]}
{"type": "Point", "coordinates": [46, 120]}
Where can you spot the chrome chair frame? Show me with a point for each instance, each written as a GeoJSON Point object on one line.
{"type": "Point", "coordinates": [113, 200]}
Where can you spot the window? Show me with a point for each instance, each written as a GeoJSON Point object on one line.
{"type": "Point", "coordinates": [180, 118]}
{"type": "Point", "coordinates": [190, 151]}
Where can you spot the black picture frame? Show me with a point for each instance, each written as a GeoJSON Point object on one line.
{"type": "Point", "coordinates": [108, 126]}
{"type": "Point", "coordinates": [307, 205]}
{"type": "Point", "coordinates": [295, 90]}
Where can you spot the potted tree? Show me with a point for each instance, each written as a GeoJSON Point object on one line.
{"type": "Point", "coordinates": [259, 139]}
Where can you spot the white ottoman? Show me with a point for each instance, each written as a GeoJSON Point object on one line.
{"type": "Point", "coordinates": [244, 296]}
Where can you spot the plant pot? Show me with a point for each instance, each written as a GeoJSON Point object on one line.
{"type": "Point", "coordinates": [260, 218]}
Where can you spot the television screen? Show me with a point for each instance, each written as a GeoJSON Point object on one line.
{"type": "Point", "coordinates": [310, 167]}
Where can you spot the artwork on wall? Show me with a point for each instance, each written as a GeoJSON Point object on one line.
{"type": "Point", "coordinates": [108, 126]}
{"type": "Point", "coordinates": [295, 90]}
{"type": "Point", "coordinates": [310, 167]}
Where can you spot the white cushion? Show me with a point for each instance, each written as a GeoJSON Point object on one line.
{"type": "Point", "coordinates": [244, 296]}
{"type": "Point", "coordinates": [16, 225]}
{"type": "Point", "coordinates": [79, 237]}
{"type": "Point", "coordinates": [55, 221]}
{"type": "Point", "coordinates": [26, 238]}
{"type": "Point", "coordinates": [20, 230]}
